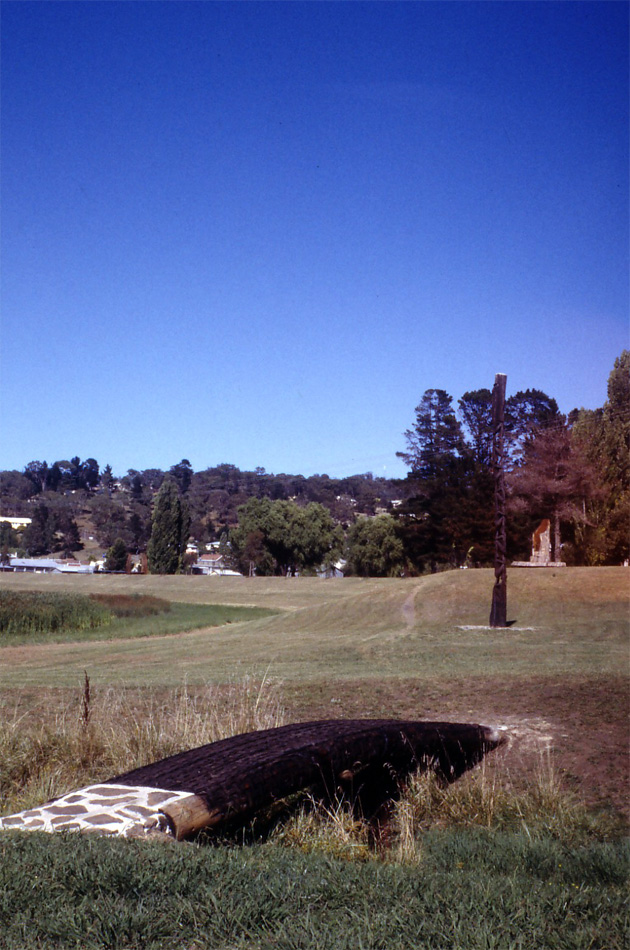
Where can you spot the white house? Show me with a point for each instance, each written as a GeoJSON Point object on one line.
{"type": "Point", "coordinates": [212, 563]}
{"type": "Point", "coordinates": [16, 523]}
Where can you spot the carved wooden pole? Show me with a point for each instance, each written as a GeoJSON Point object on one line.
{"type": "Point", "coordinates": [498, 611]}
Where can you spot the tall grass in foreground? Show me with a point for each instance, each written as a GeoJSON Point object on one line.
{"type": "Point", "coordinates": [111, 731]}
{"type": "Point", "coordinates": [486, 799]}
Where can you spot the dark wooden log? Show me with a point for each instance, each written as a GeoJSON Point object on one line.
{"type": "Point", "coordinates": [237, 777]}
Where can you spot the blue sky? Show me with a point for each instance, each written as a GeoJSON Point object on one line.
{"type": "Point", "coordinates": [257, 232]}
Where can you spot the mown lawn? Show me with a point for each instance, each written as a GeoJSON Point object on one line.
{"type": "Point", "coordinates": [567, 622]}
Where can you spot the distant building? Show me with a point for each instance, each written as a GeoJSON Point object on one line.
{"type": "Point", "coordinates": [333, 570]}
{"type": "Point", "coordinates": [16, 523]}
{"type": "Point", "coordinates": [213, 563]}
{"type": "Point", "coordinates": [45, 565]}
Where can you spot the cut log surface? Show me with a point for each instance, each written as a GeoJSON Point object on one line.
{"type": "Point", "coordinates": [238, 776]}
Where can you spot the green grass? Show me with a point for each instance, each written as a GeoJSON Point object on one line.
{"type": "Point", "coordinates": [568, 622]}
{"type": "Point", "coordinates": [30, 617]}
{"type": "Point", "coordinates": [471, 891]}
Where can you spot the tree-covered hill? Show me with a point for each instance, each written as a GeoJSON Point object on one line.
{"type": "Point", "coordinates": [113, 506]}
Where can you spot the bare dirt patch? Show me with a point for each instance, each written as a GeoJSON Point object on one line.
{"type": "Point", "coordinates": [581, 725]}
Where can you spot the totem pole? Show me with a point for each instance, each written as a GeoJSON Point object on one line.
{"type": "Point", "coordinates": [498, 611]}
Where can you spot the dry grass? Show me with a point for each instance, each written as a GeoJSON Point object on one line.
{"type": "Point", "coordinates": [330, 829]}
{"type": "Point", "coordinates": [105, 732]}
{"type": "Point", "coordinates": [132, 605]}
{"type": "Point", "coordinates": [485, 799]}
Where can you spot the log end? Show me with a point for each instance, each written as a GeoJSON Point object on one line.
{"type": "Point", "coordinates": [189, 815]}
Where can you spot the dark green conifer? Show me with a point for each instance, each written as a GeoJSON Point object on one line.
{"type": "Point", "coordinates": [170, 527]}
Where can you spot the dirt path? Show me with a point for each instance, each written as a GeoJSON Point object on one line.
{"type": "Point", "coordinates": [408, 609]}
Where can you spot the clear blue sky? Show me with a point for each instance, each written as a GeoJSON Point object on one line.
{"type": "Point", "coordinates": [257, 232]}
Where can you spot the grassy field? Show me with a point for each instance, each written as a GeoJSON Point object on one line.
{"type": "Point", "coordinates": [571, 621]}
{"type": "Point", "coordinates": [506, 858]}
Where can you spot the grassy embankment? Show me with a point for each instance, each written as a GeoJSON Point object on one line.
{"type": "Point", "coordinates": [482, 864]}
{"type": "Point", "coordinates": [471, 891]}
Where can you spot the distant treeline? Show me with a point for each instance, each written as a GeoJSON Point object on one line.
{"type": "Point", "coordinates": [574, 471]}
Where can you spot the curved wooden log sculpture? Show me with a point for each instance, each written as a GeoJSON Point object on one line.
{"type": "Point", "coordinates": [366, 758]}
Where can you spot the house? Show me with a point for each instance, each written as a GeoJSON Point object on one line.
{"type": "Point", "coordinates": [212, 563]}
{"type": "Point", "coordinates": [16, 523]}
{"type": "Point", "coordinates": [45, 565]}
{"type": "Point", "coordinates": [333, 570]}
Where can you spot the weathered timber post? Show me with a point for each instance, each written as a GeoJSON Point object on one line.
{"type": "Point", "coordinates": [498, 611]}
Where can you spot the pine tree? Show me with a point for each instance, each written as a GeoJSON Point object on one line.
{"type": "Point", "coordinates": [447, 517]}
{"type": "Point", "coordinates": [170, 527]}
{"type": "Point", "coordinates": [436, 437]}
{"type": "Point", "coordinates": [475, 410]}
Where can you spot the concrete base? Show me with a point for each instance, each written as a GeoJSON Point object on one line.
{"type": "Point", "coordinates": [537, 564]}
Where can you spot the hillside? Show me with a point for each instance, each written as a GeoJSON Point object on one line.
{"type": "Point", "coordinates": [105, 507]}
